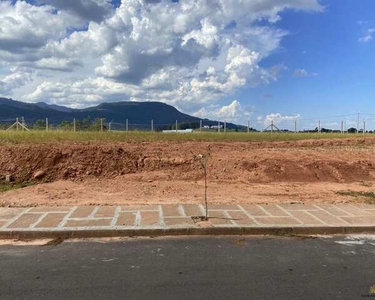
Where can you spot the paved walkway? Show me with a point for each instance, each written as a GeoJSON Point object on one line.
{"type": "Point", "coordinates": [86, 221]}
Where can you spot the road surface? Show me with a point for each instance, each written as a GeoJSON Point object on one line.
{"type": "Point", "coordinates": [191, 268]}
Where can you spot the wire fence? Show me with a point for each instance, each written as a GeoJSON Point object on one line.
{"type": "Point", "coordinates": [351, 123]}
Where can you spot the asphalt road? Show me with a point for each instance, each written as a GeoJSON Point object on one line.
{"type": "Point", "coordinates": [191, 268]}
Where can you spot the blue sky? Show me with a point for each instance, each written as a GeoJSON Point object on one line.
{"type": "Point", "coordinates": [327, 44]}
{"type": "Point", "coordinates": [231, 60]}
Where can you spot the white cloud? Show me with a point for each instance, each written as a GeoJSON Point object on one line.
{"type": "Point", "coordinates": [181, 53]}
{"type": "Point", "coordinates": [19, 77]}
{"type": "Point", "coordinates": [367, 37]}
{"type": "Point", "coordinates": [303, 73]}
{"type": "Point", "coordinates": [234, 113]}
{"type": "Point", "coordinates": [278, 119]}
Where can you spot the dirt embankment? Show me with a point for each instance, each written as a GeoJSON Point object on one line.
{"type": "Point", "coordinates": [167, 170]}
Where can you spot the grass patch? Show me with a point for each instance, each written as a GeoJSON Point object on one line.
{"type": "Point", "coordinates": [35, 136]}
{"type": "Point", "coordinates": [370, 196]}
{"type": "Point", "coordinates": [6, 186]}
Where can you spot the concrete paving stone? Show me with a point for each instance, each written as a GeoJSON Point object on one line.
{"type": "Point", "coordinates": [51, 209]}
{"type": "Point", "coordinates": [306, 218]}
{"type": "Point", "coordinates": [333, 210]}
{"type": "Point", "coordinates": [51, 220]}
{"type": "Point", "coordinates": [223, 207]}
{"type": "Point", "coordinates": [11, 213]}
{"type": "Point", "coordinates": [25, 221]}
{"type": "Point", "coordinates": [277, 221]}
{"type": "Point", "coordinates": [2, 223]}
{"type": "Point", "coordinates": [126, 219]}
{"type": "Point", "coordinates": [241, 218]}
{"type": "Point", "coordinates": [298, 206]}
{"type": "Point", "coordinates": [274, 211]}
{"type": "Point", "coordinates": [327, 218]}
{"type": "Point", "coordinates": [178, 221]}
{"type": "Point", "coordinates": [354, 210]}
{"type": "Point", "coordinates": [150, 218]}
{"type": "Point", "coordinates": [219, 218]}
{"type": "Point", "coordinates": [140, 208]}
{"type": "Point", "coordinates": [254, 210]}
{"type": "Point", "coordinates": [88, 223]}
{"type": "Point", "coordinates": [171, 210]}
{"type": "Point", "coordinates": [106, 212]}
{"type": "Point", "coordinates": [364, 220]}
{"type": "Point", "coordinates": [192, 210]}
{"type": "Point", "coordinates": [364, 206]}
{"type": "Point", "coordinates": [82, 212]}
{"type": "Point", "coordinates": [3, 210]}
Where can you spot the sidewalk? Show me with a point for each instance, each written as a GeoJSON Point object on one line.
{"type": "Point", "coordinates": [160, 220]}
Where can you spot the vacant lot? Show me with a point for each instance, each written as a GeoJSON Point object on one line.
{"type": "Point", "coordinates": [141, 168]}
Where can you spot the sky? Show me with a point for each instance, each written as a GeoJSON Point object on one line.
{"type": "Point", "coordinates": [234, 60]}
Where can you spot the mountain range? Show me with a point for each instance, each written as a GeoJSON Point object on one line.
{"type": "Point", "coordinates": [135, 112]}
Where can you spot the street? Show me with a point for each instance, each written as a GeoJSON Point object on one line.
{"type": "Point", "coordinates": [191, 268]}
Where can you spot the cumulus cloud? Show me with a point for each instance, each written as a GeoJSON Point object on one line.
{"type": "Point", "coordinates": [90, 10]}
{"type": "Point", "coordinates": [188, 53]}
{"type": "Point", "coordinates": [278, 119]}
{"type": "Point", "coordinates": [234, 112]}
{"type": "Point", "coordinates": [19, 77]}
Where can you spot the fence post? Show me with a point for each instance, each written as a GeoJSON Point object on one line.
{"type": "Point", "coordinates": [127, 125]}
{"type": "Point", "coordinates": [152, 125]}
{"type": "Point", "coordinates": [364, 127]}
{"type": "Point", "coordinates": [248, 126]}
{"type": "Point", "coordinates": [46, 124]}
{"type": "Point", "coordinates": [358, 124]}
{"type": "Point", "coordinates": [176, 126]}
{"type": "Point", "coordinates": [17, 123]}
{"type": "Point", "coordinates": [74, 125]}
{"type": "Point", "coordinates": [225, 126]}
{"type": "Point", "coordinates": [101, 124]}
{"type": "Point", "coordinates": [342, 127]}
{"type": "Point", "coordinates": [218, 126]}
{"type": "Point", "coordinates": [200, 126]}
{"type": "Point", "coordinates": [319, 126]}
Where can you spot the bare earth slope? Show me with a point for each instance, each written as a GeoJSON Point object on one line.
{"type": "Point", "coordinates": [165, 172]}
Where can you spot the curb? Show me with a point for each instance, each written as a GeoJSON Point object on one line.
{"type": "Point", "coordinates": [159, 232]}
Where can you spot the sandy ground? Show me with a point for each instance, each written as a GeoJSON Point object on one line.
{"type": "Point", "coordinates": [166, 172]}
